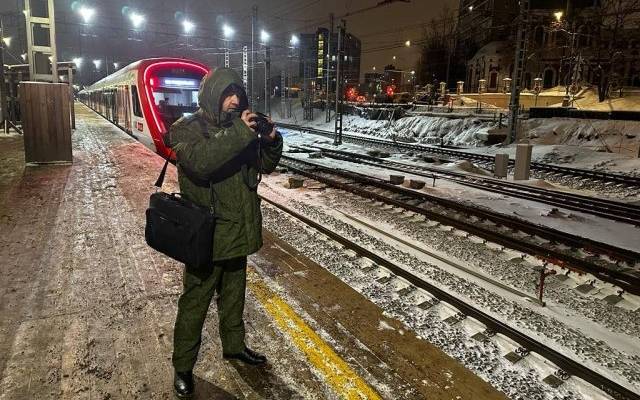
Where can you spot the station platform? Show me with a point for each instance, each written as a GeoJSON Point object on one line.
{"type": "Point", "coordinates": [87, 308]}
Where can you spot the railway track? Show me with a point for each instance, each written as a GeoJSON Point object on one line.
{"type": "Point", "coordinates": [604, 208]}
{"type": "Point", "coordinates": [567, 365]}
{"type": "Point", "coordinates": [608, 263]}
{"type": "Point", "coordinates": [632, 182]}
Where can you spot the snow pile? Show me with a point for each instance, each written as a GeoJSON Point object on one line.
{"type": "Point", "coordinates": [465, 166]}
{"type": "Point", "coordinates": [457, 132]}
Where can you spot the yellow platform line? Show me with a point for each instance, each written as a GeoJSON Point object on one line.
{"type": "Point", "coordinates": [336, 372]}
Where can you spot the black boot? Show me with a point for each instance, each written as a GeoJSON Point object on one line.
{"type": "Point", "coordinates": [183, 384]}
{"type": "Point", "coordinates": [247, 356]}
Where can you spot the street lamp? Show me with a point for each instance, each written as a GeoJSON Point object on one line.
{"type": "Point", "coordinates": [86, 13]}
{"type": "Point", "coordinates": [24, 56]}
{"type": "Point", "coordinates": [407, 43]}
{"type": "Point", "coordinates": [188, 26]}
{"type": "Point", "coordinates": [227, 31]}
{"type": "Point", "coordinates": [116, 65]}
{"type": "Point", "coordinates": [264, 36]}
{"type": "Point", "coordinates": [77, 61]}
{"type": "Point", "coordinates": [97, 63]}
{"type": "Point", "coordinates": [394, 58]}
{"type": "Point", "coordinates": [136, 19]}
{"type": "Point", "coordinates": [7, 40]}
{"type": "Point", "coordinates": [294, 40]}
{"type": "Point", "coordinates": [558, 15]}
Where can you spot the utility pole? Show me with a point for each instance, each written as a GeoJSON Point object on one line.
{"type": "Point", "coordinates": [3, 94]}
{"type": "Point", "coordinates": [39, 66]}
{"type": "Point", "coordinates": [283, 82]}
{"type": "Point", "coordinates": [245, 67]}
{"type": "Point", "coordinates": [514, 105]}
{"type": "Point", "coordinates": [267, 74]}
{"type": "Point", "coordinates": [328, 69]}
{"type": "Point", "coordinates": [339, 55]}
{"type": "Point", "coordinates": [254, 22]}
{"type": "Point", "coordinates": [226, 54]}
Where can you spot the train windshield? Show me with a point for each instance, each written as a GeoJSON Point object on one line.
{"type": "Point", "coordinates": [175, 97]}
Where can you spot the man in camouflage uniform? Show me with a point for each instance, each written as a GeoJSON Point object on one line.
{"type": "Point", "coordinates": [218, 155]}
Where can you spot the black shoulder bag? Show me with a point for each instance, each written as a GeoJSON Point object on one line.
{"type": "Point", "coordinates": [179, 228]}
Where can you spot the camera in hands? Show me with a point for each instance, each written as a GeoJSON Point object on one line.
{"type": "Point", "coordinates": [263, 126]}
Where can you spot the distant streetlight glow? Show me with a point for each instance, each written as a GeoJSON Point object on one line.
{"type": "Point", "coordinates": [394, 57]}
{"type": "Point", "coordinates": [24, 56]}
{"type": "Point", "coordinates": [77, 61]}
{"type": "Point", "coordinates": [97, 63]}
{"type": "Point", "coordinates": [413, 72]}
{"type": "Point", "coordinates": [136, 19]}
{"type": "Point", "coordinates": [86, 13]}
{"type": "Point", "coordinates": [294, 40]}
{"type": "Point", "coordinates": [7, 40]}
{"type": "Point", "coordinates": [264, 36]}
{"type": "Point", "coordinates": [116, 65]}
{"type": "Point", "coordinates": [227, 31]}
{"type": "Point", "coordinates": [374, 67]}
{"type": "Point", "coordinates": [558, 15]}
{"type": "Point", "coordinates": [188, 26]}
{"type": "Point", "coordinates": [407, 43]}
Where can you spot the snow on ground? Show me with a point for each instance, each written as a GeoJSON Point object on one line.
{"type": "Point", "coordinates": [588, 100]}
{"type": "Point", "coordinates": [595, 344]}
{"type": "Point", "coordinates": [605, 145]}
{"type": "Point", "coordinates": [574, 222]}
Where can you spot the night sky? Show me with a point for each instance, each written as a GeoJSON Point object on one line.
{"type": "Point", "coordinates": [110, 38]}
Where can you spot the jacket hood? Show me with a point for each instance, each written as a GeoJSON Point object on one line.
{"type": "Point", "coordinates": [211, 89]}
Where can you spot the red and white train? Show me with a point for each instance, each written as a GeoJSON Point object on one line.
{"type": "Point", "coordinates": [147, 96]}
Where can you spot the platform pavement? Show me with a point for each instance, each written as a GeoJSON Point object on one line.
{"type": "Point", "coordinates": [87, 309]}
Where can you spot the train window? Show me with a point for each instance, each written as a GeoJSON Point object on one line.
{"type": "Point", "coordinates": [136, 101]}
{"type": "Point", "coordinates": [176, 96]}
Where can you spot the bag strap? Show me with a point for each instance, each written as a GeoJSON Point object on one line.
{"type": "Point", "coordinates": [160, 179]}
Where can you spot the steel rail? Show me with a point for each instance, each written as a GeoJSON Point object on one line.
{"type": "Point", "coordinates": [563, 362]}
{"type": "Point", "coordinates": [629, 282]}
{"type": "Point", "coordinates": [600, 207]}
{"type": "Point", "coordinates": [627, 180]}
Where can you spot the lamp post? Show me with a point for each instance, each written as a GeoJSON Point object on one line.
{"type": "Point", "coordinates": [227, 32]}
{"type": "Point", "coordinates": [482, 87]}
{"type": "Point", "coordinates": [264, 38]}
{"type": "Point", "coordinates": [537, 87]}
{"type": "Point", "coordinates": [506, 84]}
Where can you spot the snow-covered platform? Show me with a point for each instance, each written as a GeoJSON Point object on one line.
{"type": "Point", "coordinates": [87, 309]}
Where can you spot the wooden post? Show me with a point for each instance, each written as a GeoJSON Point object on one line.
{"type": "Point", "coordinates": [44, 108]}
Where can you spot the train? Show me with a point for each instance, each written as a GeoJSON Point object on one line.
{"type": "Point", "coordinates": [147, 96]}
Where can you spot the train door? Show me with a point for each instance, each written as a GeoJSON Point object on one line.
{"type": "Point", "coordinates": [139, 126]}
{"type": "Point", "coordinates": [114, 106]}
{"type": "Point", "coordinates": [127, 110]}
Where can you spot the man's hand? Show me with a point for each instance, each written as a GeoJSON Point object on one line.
{"type": "Point", "coordinates": [272, 136]}
{"type": "Point", "coordinates": [246, 118]}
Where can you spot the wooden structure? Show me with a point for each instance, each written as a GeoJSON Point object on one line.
{"type": "Point", "coordinates": [45, 121]}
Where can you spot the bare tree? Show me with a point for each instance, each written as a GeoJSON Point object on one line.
{"type": "Point", "coordinates": [618, 19]}
{"type": "Point", "coordinates": [438, 44]}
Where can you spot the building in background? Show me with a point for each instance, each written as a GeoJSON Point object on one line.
{"type": "Point", "coordinates": [313, 55]}
{"type": "Point", "coordinates": [569, 43]}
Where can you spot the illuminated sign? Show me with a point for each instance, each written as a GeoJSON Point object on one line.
{"type": "Point", "coordinates": [180, 82]}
